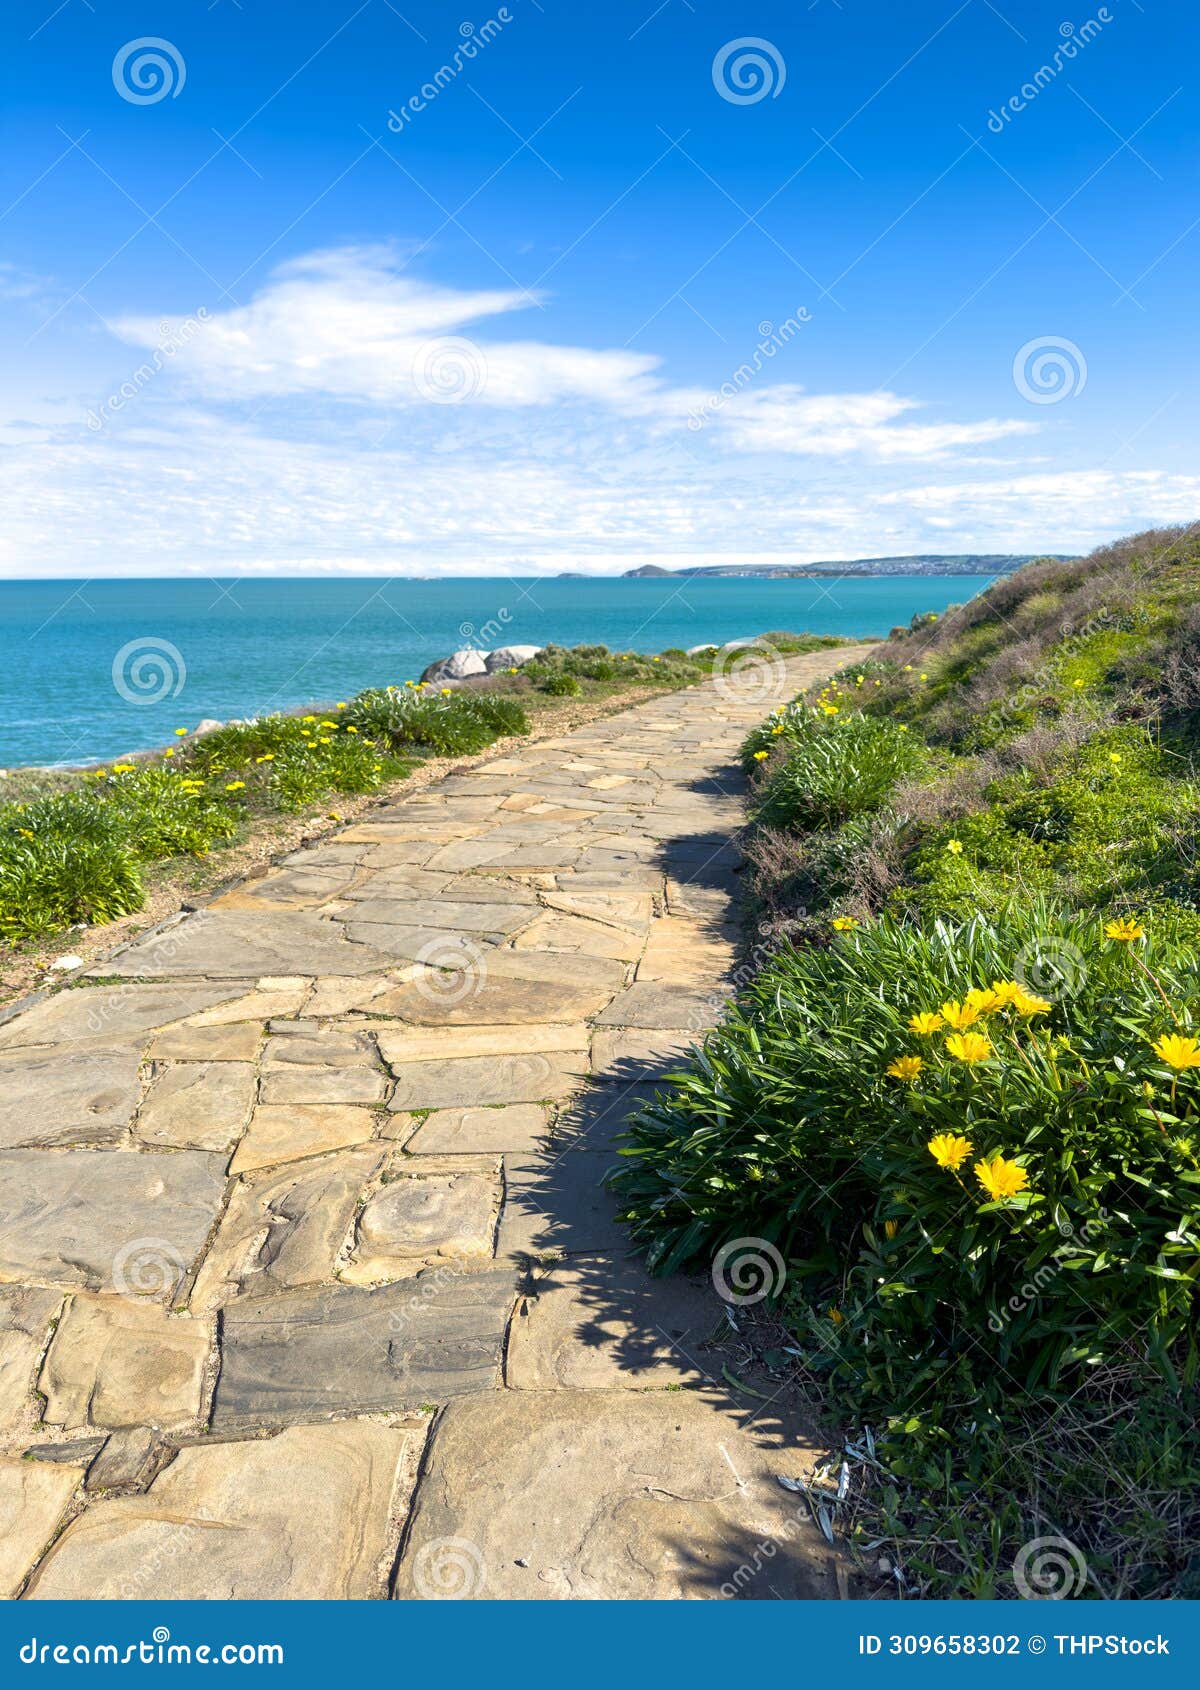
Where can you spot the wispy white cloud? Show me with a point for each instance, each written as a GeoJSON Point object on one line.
{"type": "Point", "coordinates": [784, 418]}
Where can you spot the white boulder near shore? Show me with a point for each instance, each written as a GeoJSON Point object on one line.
{"type": "Point", "coordinates": [462, 665]}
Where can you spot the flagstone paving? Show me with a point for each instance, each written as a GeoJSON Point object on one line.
{"type": "Point", "coordinates": [310, 1283]}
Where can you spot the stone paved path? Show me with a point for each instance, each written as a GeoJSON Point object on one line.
{"type": "Point", "coordinates": [309, 1286]}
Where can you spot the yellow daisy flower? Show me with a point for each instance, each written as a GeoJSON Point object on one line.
{"type": "Point", "coordinates": [969, 1047]}
{"type": "Point", "coordinates": [905, 1067]}
{"type": "Point", "coordinates": [925, 1021]}
{"type": "Point", "coordinates": [1001, 1178]}
{"type": "Point", "coordinates": [959, 1015]}
{"type": "Point", "coordinates": [843, 923]}
{"type": "Point", "coordinates": [949, 1151]}
{"type": "Point", "coordinates": [1178, 1051]}
{"type": "Point", "coordinates": [1125, 931]}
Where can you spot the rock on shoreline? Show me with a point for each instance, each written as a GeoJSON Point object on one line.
{"type": "Point", "coordinates": [461, 665]}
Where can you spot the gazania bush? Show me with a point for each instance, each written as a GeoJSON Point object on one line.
{"type": "Point", "coordinates": [833, 766]}
{"type": "Point", "coordinates": [976, 1190]}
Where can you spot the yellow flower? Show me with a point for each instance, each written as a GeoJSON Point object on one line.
{"type": "Point", "coordinates": [1079, 683]}
{"type": "Point", "coordinates": [904, 727]}
{"type": "Point", "coordinates": [180, 731]}
{"type": "Point", "coordinates": [905, 1067]}
{"type": "Point", "coordinates": [1124, 931]}
{"type": "Point", "coordinates": [308, 718]}
{"type": "Point", "coordinates": [759, 756]}
{"type": "Point", "coordinates": [123, 768]}
{"type": "Point", "coordinates": [1028, 1004]}
{"type": "Point", "coordinates": [778, 730]}
{"type": "Point", "coordinates": [1178, 1051]}
{"type": "Point", "coordinates": [334, 817]}
{"type": "Point", "coordinates": [925, 1021]}
{"type": "Point", "coordinates": [969, 1047]}
{"type": "Point", "coordinates": [923, 677]}
{"type": "Point", "coordinates": [891, 1228]}
{"type": "Point", "coordinates": [954, 846]}
{"type": "Point", "coordinates": [1000, 1178]}
{"type": "Point", "coordinates": [843, 923]}
{"type": "Point", "coordinates": [949, 1151]}
{"type": "Point", "coordinates": [983, 999]}
{"type": "Point", "coordinates": [908, 668]}
{"type": "Point", "coordinates": [836, 1316]}
{"type": "Point", "coordinates": [267, 757]}
{"type": "Point", "coordinates": [325, 740]}
{"type": "Point", "coordinates": [959, 1015]}
{"type": "Point", "coordinates": [327, 724]}
{"type": "Point", "coordinates": [170, 752]}
{"type": "Point", "coordinates": [1114, 756]}
{"type": "Point", "coordinates": [350, 728]}
{"type": "Point", "coordinates": [341, 703]}
{"type": "Point", "coordinates": [1007, 992]}
{"type": "Point", "coordinates": [234, 785]}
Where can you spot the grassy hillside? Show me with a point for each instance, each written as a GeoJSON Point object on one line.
{"type": "Point", "coordinates": [961, 1096]}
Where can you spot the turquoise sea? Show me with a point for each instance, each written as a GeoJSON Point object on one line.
{"type": "Point", "coordinates": [95, 668]}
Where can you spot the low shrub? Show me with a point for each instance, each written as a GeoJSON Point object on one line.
{"type": "Point", "coordinates": [561, 686]}
{"type": "Point", "coordinates": [827, 774]}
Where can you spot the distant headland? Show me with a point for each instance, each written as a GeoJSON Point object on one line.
{"type": "Point", "coordinates": [959, 563]}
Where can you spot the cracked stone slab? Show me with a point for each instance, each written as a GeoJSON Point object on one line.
{"type": "Point", "coordinates": [606, 1495]}
{"type": "Point", "coordinates": [601, 1324]}
{"type": "Point", "coordinates": [557, 932]}
{"type": "Point", "coordinates": [635, 1055]}
{"type": "Point", "coordinates": [33, 1499]}
{"type": "Point", "coordinates": [426, 1210]}
{"type": "Point", "coordinates": [462, 1081]}
{"type": "Point", "coordinates": [127, 1461]}
{"type": "Point", "coordinates": [348, 1349]}
{"type": "Point", "coordinates": [203, 1105]}
{"type": "Point", "coordinates": [233, 944]}
{"type": "Point", "coordinates": [69, 1096]}
{"type": "Point", "coordinates": [288, 1132]}
{"type": "Point", "coordinates": [511, 1126]}
{"type": "Point", "coordinates": [284, 1228]}
{"type": "Point", "coordinates": [121, 1361]}
{"type": "Point", "coordinates": [443, 914]}
{"type": "Point", "coordinates": [320, 1048]}
{"type": "Point", "coordinates": [25, 1317]}
{"type": "Point", "coordinates": [114, 1014]}
{"type": "Point", "coordinates": [310, 1514]}
{"type": "Point", "coordinates": [94, 1217]}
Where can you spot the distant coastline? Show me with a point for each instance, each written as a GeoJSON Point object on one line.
{"type": "Point", "coordinates": [864, 568]}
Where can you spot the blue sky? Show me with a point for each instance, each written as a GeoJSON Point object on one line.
{"type": "Point", "coordinates": [698, 282]}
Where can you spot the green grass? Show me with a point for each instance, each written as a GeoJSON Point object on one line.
{"type": "Point", "coordinates": [973, 805]}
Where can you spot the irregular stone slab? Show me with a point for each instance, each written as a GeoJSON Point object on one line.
{"type": "Point", "coordinates": [232, 945]}
{"type": "Point", "coordinates": [339, 997]}
{"type": "Point", "coordinates": [114, 1361]}
{"type": "Point", "coordinates": [432, 1044]}
{"type": "Point", "coordinates": [480, 889]}
{"type": "Point", "coordinates": [690, 958]}
{"type": "Point", "coordinates": [287, 1132]}
{"type": "Point", "coordinates": [306, 1515]}
{"type": "Point", "coordinates": [439, 947]}
{"type": "Point", "coordinates": [33, 1499]}
{"type": "Point", "coordinates": [128, 1460]}
{"type": "Point", "coordinates": [25, 1317]}
{"type": "Point", "coordinates": [648, 1004]}
{"type": "Point", "coordinates": [302, 1083]}
{"type": "Point", "coordinates": [202, 1104]}
{"type": "Point", "coordinates": [633, 1055]}
{"type": "Point", "coordinates": [612, 1495]}
{"type": "Point", "coordinates": [513, 1126]}
{"type": "Point", "coordinates": [573, 933]}
{"type": "Point", "coordinates": [598, 1119]}
{"type": "Point", "coordinates": [113, 1014]}
{"type": "Point", "coordinates": [490, 1001]}
{"type": "Point", "coordinates": [237, 1042]}
{"type": "Point", "coordinates": [107, 1219]}
{"type": "Point", "coordinates": [601, 1323]}
{"type": "Point", "coordinates": [290, 889]}
{"type": "Point", "coordinates": [556, 1204]}
{"type": "Point", "coordinates": [344, 1348]}
{"type": "Point", "coordinates": [68, 1096]}
{"type": "Point", "coordinates": [284, 1228]}
{"type": "Point", "coordinates": [75, 1452]}
{"type": "Point", "coordinates": [428, 1212]}
{"type": "Point", "coordinates": [282, 998]}
{"type": "Point", "coordinates": [443, 914]}
{"type": "Point", "coordinates": [322, 1048]}
{"type": "Point", "coordinates": [486, 1079]}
